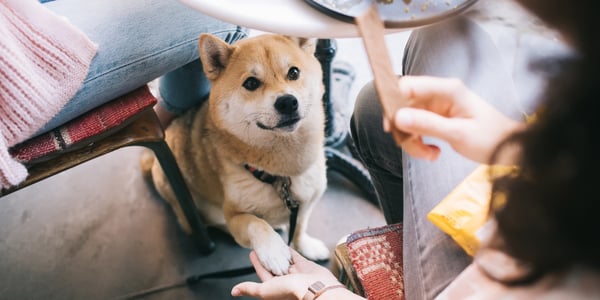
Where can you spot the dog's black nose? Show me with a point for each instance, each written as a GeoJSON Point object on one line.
{"type": "Point", "coordinates": [286, 104]}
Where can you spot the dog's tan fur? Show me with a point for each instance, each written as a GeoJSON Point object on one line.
{"type": "Point", "coordinates": [239, 126]}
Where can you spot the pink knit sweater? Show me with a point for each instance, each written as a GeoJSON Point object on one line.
{"type": "Point", "coordinates": [43, 62]}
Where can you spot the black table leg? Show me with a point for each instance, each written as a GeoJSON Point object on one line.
{"type": "Point", "coordinates": [337, 138]}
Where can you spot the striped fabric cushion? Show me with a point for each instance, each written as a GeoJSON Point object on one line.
{"type": "Point", "coordinates": [376, 255]}
{"type": "Point", "coordinates": [113, 115]}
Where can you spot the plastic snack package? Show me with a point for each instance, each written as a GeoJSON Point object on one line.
{"type": "Point", "coordinates": [465, 210]}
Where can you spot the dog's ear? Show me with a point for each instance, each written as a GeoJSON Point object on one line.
{"type": "Point", "coordinates": [306, 44]}
{"type": "Point", "coordinates": [214, 54]}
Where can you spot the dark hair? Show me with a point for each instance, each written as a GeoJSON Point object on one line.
{"type": "Point", "coordinates": [548, 218]}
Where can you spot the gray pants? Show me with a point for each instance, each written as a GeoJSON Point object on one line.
{"type": "Point", "coordinates": [491, 63]}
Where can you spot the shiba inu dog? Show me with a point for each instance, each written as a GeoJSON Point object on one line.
{"type": "Point", "coordinates": [264, 114]}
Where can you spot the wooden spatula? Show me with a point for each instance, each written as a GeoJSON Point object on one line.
{"type": "Point", "coordinates": [372, 30]}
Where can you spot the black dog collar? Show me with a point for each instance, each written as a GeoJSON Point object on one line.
{"type": "Point", "coordinates": [282, 185]}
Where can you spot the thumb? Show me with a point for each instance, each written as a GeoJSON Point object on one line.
{"type": "Point", "coordinates": [247, 288]}
{"type": "Point", "coordinates": [424, 123]}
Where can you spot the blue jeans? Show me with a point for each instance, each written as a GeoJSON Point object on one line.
{"type": "Point", "coordinates": [139, 41]}
{"type": "Point", "coordinates": [409, 188]}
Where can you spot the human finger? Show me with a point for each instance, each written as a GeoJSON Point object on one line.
{"type": "Point", "coordinates": [299, 263]}
{"type": "Point", "coordinates": [262, 273]}
{"type": "Point", "coordinates": [425, 123]}
{"type": "Point", "coordinates": [416, 148]}
{"type": "Point", "coordinates": [422, 90]}
{"type": "Point", "coordinates": [247, 288]}
{"type": "Point", "coordinates": [297, 257]}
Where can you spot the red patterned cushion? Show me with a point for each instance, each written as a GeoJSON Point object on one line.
{"type": "Point", "coordinates": [110, 116]}
{"type": "Point", "coordinates": [376, 255]}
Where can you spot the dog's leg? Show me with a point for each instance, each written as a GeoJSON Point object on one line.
{"type": "Point", "coordinates": [146, 162]}
{"type": "Point", "coordinates": [312, 248]}
{"type": "Point", "coordinates": [253, 232]}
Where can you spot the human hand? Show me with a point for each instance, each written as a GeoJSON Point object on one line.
{"type": "Point", "coordinates": [448, 110]}
{"type": "Point", "coordinates": [294, 285]}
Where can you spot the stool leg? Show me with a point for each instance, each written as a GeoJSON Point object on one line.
{"type": "Point", "coordinates": [182, 193]}
{"type": "Point", "coordinates": [336, 137]}
{"type": "Point", "coordinates": [325, 52]}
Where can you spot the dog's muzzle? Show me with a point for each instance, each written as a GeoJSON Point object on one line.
{"type": "Point", "coordinates": [287, 107]}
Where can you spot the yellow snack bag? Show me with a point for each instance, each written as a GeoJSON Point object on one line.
{"type": "Point", "coordinates": [465, 210]}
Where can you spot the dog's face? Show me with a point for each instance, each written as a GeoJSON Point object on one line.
{"type": "Point", "coordinates": [263, 86]}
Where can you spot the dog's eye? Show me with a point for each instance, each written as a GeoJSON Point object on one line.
{"type": "Point", "coordinates": [293, 73]}
{"type": "Point", "coordinates": [251, 83]}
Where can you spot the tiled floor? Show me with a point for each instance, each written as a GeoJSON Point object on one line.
{"type": "Point", "coordinates": [98, 231]}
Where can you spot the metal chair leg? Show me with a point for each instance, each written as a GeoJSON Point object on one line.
{"type": "Point", "coordinates": [334, 137]}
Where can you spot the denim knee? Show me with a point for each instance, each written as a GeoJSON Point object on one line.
{"type": "Point", "coordinates": [187, 86]}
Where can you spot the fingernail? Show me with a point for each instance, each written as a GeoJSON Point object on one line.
{"type": "Point", "coordinates": [403, 118]}
{"type": "Point", "coordinates": [235, 292]}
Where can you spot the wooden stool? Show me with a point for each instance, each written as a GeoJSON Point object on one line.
{"type": "Point", "coordinates": [126, 121]}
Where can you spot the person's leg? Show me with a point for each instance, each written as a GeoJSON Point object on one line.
{"type": "Point", "coordinates": [410, 188]}
{"type": "Point", "coordinates": [378, 153]}
{"type": "Point", "coordinates": [457, 48]}
{"type": "Point", "coordinates": [488, 60]}
{"type": "Point", "coordinates": [139, 40]}
{"type": "Point", "coordinates": [181, 89]}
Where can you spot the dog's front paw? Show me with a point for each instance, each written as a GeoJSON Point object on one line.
{"type": "Point", "coordinates": [312, 248]}
{"type": "Point", "coordinates": [274, 255]}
